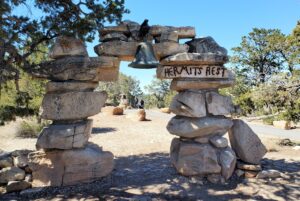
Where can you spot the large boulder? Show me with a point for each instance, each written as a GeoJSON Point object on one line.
{"type": "Point", "coordinates": [69, 167]}
{"type": "Point", "coordinates": [194, 158]}
{"type": "Point", "coordinates": [67, 86]}
{"type": "Point", "coordinates": [205, 45]}
{"type": "Point", "coordinates": [11, 174]}
{"type": "Point", "coordinates": [65, 136]}
{"type": "Point", "coordinates": [189, 104]}
{"type": "Point", "coordinates": [72, 105]}
{"type": "Point", "coordinates": [246, 144]}
{"type": "Point", "coordinates": [102, 68]}
{"type": "Point", "coordinates": [180, 84]}
{"type": "Point", "coordinates": [218, 104]}
{"type": "Point", "coordinates": [67, 46]}
{"type": "Point", "coordinates": [194, 59]}
{"type": "Point", "coordinates": [227, 162]}
{"type": "Point", "coordinates": [198, 127]}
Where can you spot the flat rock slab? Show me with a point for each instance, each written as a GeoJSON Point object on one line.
{"type": "Point", "coordinates": [113, 36]}
{"type": "Point", "coordinates": [180, 84]}
{"type": "Point", "coordinates": [218, 104]}
{"type": "Point", "coordinates": [67, 46]}
{"type": "Point", "coordinates": [77, 68]}
{"type": "Point", "coordinates": [205, 45]}
{"type": "Point", "coordinates": [246, 144]}
{"type": "Point", "coordinates": [68, 86]}
{"type": "Point", "coordinates": [72, 105]}
{"type": "Point", "coordinates": [156, 30]}
{"type": "Point", "coordinates": [195, 59]}
{"type": "Point", "coordinates": [246, 166]}
{"type": "Point", "coordinates": [204, 71]}
{"type": "Point", "coordinates": [189, 104]}
{"type": "Point", "coordinates": [198, 127]}
{"type": "Point", "coordinates": [193, 158]}
{"type": "Point", "coordinates": [183, 32]}
{"type": "Point", "coordinates": [126, 50]}
{"type": "Point", "coordinates": [69, 167]}
{"type": "Point", "coordinates": [65, 136]}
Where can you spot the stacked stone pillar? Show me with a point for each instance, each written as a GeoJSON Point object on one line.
{"type": "Point", "coordinates": [64, 155]}
{"type": "Point", "coordinates": [202, 113]}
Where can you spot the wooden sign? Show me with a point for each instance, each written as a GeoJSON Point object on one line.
{"type": "Point", "coordinates": [170, 72]}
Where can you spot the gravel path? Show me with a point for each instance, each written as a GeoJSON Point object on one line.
{"type": "Point", "coordinates": [143, 171]}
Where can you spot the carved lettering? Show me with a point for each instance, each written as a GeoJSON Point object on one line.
{"type": "Point", "coordinates": [193, 72]}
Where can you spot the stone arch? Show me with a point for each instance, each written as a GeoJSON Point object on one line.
{"type": "Point", "coordinates": [197, 72]}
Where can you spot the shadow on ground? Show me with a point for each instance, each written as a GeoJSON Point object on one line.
{"type": "Point", "coordinates": [151, 177]}
{"type": "Point", "coordinates": [102, 130]}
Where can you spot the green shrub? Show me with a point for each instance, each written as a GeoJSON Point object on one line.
{"type": "Point", "coordinates": [268, 120]}
{"type": "Point", "coordinates": [30, 128]}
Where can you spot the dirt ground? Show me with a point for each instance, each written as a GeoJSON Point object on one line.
{"type": "Point", "coordinates": [143, 170]}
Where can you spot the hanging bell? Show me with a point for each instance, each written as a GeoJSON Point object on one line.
{"type": "Point", "coordinates": [144, 57]}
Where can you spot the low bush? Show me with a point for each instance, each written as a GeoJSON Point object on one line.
{"type": "Point", "coordinates": [30, 128]}
{"type": "Point", "coordinates": [269, 120]}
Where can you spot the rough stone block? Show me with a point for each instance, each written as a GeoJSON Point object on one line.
{"type": "Point", "coordinates": [165, 49]}
{"type": "Point", "coordinates": [219, 141]}
{"type": "Point", "coordinates": [13, 186]}
{"type": "Point", "coordinates": [123, 50]}
{"type": "Point", "coordinates": [11, 174]}
{"type": "Point", "coordinates": [77, 68]}
{"type": "Point", "coordinates": [205, 45]}
{"type": "Point", "coordinates": [198, 127]}
{"type": "Point", "coordinates": [218, 104]}
{"type": "Point", "coordinates": [193, 158]}
{"type": "Point", "coordinates": [65, 136]}
{"type": "Point", "coordinates": [69, 167]}
{"type": "Point", "coordinates": [227, 162]}
{"type": "Point", "coordinates": [67, 46]}
{"type": "Point", "coordinates": [72, 105]}
{"type": "Point", "coordinates": [190, 104]}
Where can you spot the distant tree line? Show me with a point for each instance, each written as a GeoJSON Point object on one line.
{"type": "Point", "coordinates": [267, 68]}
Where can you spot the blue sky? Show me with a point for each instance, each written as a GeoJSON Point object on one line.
{"type": "Point", "coordinates": [225, 20]}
